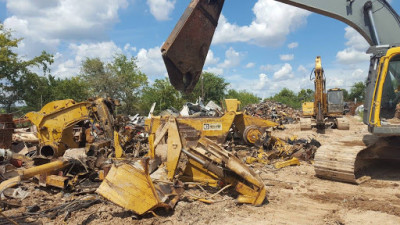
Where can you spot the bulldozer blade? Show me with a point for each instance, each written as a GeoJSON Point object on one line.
{"type": "Point", "coordinates": [131, 187]}
{"type": "Point", "coordinates": [185, 50]}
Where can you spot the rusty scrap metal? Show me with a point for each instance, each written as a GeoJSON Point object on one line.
{"type": "Point", "coordinates": [274, 111]}
{"type": "Point", "coordinates": [184, 60]}
{"type": "Point", "coordinates": [6, 130]}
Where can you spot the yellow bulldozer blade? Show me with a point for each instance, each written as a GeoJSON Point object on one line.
{"type": "Point", "coordinates": [131, 187]}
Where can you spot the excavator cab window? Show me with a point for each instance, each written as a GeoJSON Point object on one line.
{"type": "Point", "coordinates": [391, 90]}
{"type": "Point", "coordinates": [335, 101]}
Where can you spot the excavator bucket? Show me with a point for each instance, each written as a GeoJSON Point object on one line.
{"type": "Point", "coordinates": [185, 50]}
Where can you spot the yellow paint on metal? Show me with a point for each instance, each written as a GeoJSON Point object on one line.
{"type": "Point", "coordinates": [42, 169]}
{"type": "Point", "coordinates": [130, 187]}
{"type": "Point", "coordinates": [195, 172]}
{"type": "Point", "coordinates": [117, 146]}
{"type": "Point", "coordinates": [308, 109]}
{"type": "Point", "coordinates": [232, 105]}
{"type": "Point", "coordinates": [31, 172]}
{"type": "Point", "coordinates": [253, 135]}
{"type": "Point", "coordinates": [56, 181]}
{"type": "Point", "coordinates": [291, 162]}
{"type": "Point", "coordinates": [55, 122]}
{"type": "Point", "coordinates": [374, 117]}
{"type": "Point", "coordinates": [174, 148]}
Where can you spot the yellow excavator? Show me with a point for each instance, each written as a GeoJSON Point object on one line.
{"type": "Point", "coordinates": [185, 51]}
{"type": "Point", "coordinates": [327, 108]}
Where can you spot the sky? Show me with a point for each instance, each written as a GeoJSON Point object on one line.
{"type": "Point", "coordinates": [260, 46]}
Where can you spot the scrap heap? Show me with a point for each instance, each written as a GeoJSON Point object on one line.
{"type": "Point", "coordinates": [87, 154]}
{"type": "Point", "coordinates": [274, 111]}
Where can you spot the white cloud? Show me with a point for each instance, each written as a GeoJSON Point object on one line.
{"type": "Point", "coordinates": [285, 72]}
{"type": "Point", "coordinates": [211, 60]}
{"type": "Point", "coordinates": [103, 50]}
{"type": "Point", "coordinates": [232, 59]}
{"type": "Point", "coordinates": [215, 70]}
{"type": "Point", "coordinates": [161, 9]}
{"type": "Point", "coordinates": [250, 65]}
{"type": "Point", "coordinates": [302, 69]}
{"type": "Point", "coordinates": [263, 80]}
{"type": "Point", "coordinates": [44, 24]}
{"type": "Point", "coordinates": [69, 63]}
{"type": "Point", "coordinates": [293, 45]}
{"type": "Point", "coordinates": [150, 62]}
{"type": "Point", "coordinates": [267, 67]}
{"type": "Point", "coordinates": [356, 47]}
{"type": "Point", "coordinates": [287, 57]}
{"type": "Point", "coordinates": [351, 56]}
{"type": "Point", "coordinates": [128, 47]}
{"type": "Point", "coordinates": [272, 22]}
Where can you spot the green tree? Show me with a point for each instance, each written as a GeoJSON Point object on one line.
{"type": "Point", "coordinates": [346, 95]}
{"type": "Point", "coordinates": [163, 94]}
{"type": "Point", "coordinates": [14, 70]}
{"type": "Point", "coordinates": [357, 91]}
{"type": "Point", "coordinates": [244, 97]}
{"type": "Point", "coordinates": [40, 90]}
{"type": "Point", "coordinates": [305, 95]}
{"type": "Point", "coordinates": [287, 97]}
{"type": "Point", "coordinates": [214, 88]}
{"type": "Point", "coordinates": [120, 79]}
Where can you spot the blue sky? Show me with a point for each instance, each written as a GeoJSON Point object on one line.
{"type": "Point", "coordinates": [260, 46]}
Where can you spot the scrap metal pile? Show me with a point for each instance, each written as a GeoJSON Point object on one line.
{"type": "Point", "coordinates": [274, 111]}
{"type": "Point", "coordinates": [84, 150]}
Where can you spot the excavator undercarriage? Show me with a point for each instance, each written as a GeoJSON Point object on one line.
{"type": "Point", "coordinates": [358, 161]}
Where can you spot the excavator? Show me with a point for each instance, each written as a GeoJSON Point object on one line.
{"type": "Point", "coordinates": [185, 50]}
{"type": "Point", "coordinates": [328, 106]}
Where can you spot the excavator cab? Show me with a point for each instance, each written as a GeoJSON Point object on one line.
{"type": "Point", "coordinates": [384, 116]}
{"type": "Point", "coordinates": [335, 101]}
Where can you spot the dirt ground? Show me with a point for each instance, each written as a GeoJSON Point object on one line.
{"type": "Point", "coordinates": [295, 196]}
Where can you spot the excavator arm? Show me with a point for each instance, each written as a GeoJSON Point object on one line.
{"type": "Point", "coordinates": [185, 50]}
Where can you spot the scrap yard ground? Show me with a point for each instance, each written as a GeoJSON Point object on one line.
{"type": "Point", "coordinates": [295, 196]}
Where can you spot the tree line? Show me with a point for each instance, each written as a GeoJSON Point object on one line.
{"type": "Point", "coordinates": [295, 100]}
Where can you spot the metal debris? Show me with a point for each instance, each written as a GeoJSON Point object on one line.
{"type": "Point", "coordinates": [274, 111]}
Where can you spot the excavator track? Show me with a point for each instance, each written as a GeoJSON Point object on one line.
{"type": "Point", "coordinates": [352, 161]}
{"type": "Point", "coordinates": [337, 162]}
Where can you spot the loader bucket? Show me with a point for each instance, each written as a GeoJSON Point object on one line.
{"type": "Point", "coordinates": [131, 187]}
{"type": "Point", "coordinates": [185, 50]}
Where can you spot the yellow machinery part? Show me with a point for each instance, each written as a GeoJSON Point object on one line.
{"type": "Point", "coordinates": [232, 105]}
{"type": "Point", "coordinates": [308, 109]}
{"type": "Point", "coordinates": [28, 173]}
{"type": "Point", "coordinates": [56, 181]}
{"type": "Point", "coordinates": [55, 122]}
{"type": "Point", "coordinates": [215, 128]}
{"type": "Point", "coordinates": [291, 162]}
{"type": "Point", "coordinates": [131, 187]}
{"type": "Point", "coordinates": [174, 148]}
{"type": "Point", "coordinates": [117, 146]}
{"type": "Point", "coordinates": [251, 188]}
